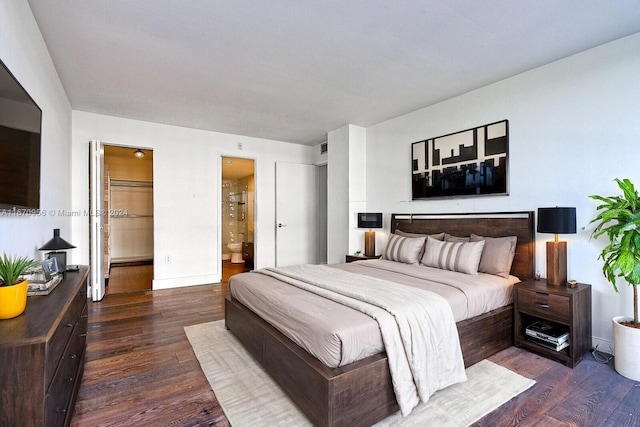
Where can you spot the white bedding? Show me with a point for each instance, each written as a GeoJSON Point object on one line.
{"type": "Point", "coordinates": [338, 335]}
{"type": "Point", "coordinates": [417, 326]}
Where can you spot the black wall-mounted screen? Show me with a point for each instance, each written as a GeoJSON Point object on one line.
{"type": "Point", "coordinates": [369, 220]}
{"type": "Point", "coordinates": [20, 125]}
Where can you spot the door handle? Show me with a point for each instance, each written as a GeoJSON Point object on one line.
{"type": "Point", "coordinates": [281, 225]}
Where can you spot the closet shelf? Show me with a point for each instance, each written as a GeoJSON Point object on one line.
{"type": "Point", "coordinates": [121, 183]}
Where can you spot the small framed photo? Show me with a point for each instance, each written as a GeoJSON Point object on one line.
{"type": "Point", "coordinates": [50, 268]}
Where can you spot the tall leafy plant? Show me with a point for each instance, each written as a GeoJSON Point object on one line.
{"type": "Point", "coordinates": [11, 268]}
{"type": "Point", "coordinates": [619, 219]}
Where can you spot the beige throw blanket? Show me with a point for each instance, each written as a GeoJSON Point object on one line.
{"type": "Point", "coordinates": [417, 326]}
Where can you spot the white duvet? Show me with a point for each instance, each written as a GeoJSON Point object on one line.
{"type": "Point", "coordinates": [417, 326]}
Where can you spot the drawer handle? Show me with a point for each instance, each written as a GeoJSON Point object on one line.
{"type": "Point", "coordinates": [84, 316]}
{"type": "Point", "coordinates": [69, 325]}
{"type": "Point", "coordinates": [82, 335]}
{"type": "Point", "coordinates": [61, 411]}
{"type": "Point", "coordinates": [73, 356]}
{"type": "Point", "coordinates": [541, 305]}
{"type": "Point", "coordinates": [70, 379]}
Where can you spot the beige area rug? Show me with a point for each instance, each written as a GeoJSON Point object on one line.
{"type": "Point", "coordinates": [249, 397]}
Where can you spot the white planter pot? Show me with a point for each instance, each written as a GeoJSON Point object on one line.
{"type": "Point", "coordinates": [626, 348]}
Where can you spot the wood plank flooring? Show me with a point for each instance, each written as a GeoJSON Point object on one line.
{"type": "Point", "coordinates": [140, 370]}
{"type": "Point", "coordinates": [130, 277]}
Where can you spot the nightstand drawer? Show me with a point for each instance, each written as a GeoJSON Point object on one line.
{"type": "Point", "coordinates": [549, 306]}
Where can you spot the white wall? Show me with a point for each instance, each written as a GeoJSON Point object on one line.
{"type": "Point", "coordinates": [574, 126]}
{"type": "Point", "coordinates": [346, 176]}
{"type": "Point", "coordinates": [187, 188]}
{"type": "Point", "coordinates": [24, 52]}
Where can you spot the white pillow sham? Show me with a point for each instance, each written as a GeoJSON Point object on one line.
{"type": "Point", "coordinates": [463, 257]}
{"type": "Point", "coordinates": [403, 249]}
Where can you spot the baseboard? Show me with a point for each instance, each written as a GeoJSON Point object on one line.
{"type": "Point", "coordinates": [604, 346]}
{"type": "Point", "coordinates": [180, 282]}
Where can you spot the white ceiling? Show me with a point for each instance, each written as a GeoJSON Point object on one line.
{"type": "Point", "coordinates": [292, 70]}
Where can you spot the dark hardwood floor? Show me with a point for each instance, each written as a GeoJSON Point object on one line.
{"type": "Point", "coordinates": [140, 370]}
{"type": "Point", "coordinates": [130, 277]}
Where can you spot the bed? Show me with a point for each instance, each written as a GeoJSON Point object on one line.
{"type": "Point", "coordinates": [361, 393]}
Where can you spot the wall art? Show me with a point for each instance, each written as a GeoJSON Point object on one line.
{"type": "Point", "coordinates": [472, 162]}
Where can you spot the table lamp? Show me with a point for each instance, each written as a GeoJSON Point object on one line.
{"type": "Point", "coordinates": [54, 245]}
{"type": "Point", "coordinates": [369, 220]}
{"type": "Point", "coordinates": [557, 221]}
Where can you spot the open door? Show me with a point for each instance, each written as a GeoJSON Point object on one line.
{"type": "Point", "coordinates": [96, 167]}
{"type": "Point", "coordinates": [296, 214]}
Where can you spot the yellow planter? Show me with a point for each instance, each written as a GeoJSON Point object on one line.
{"type": "Point", "coordinates": [13, 300]}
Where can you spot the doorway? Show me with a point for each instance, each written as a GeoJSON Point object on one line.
{"type": "Point", "coordinates": [128, 219]}
{"type": "Point", "coordinates": [238, 215]}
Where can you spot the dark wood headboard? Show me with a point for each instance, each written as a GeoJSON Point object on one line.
{"type": "Point", "coordinates": [490, 224]}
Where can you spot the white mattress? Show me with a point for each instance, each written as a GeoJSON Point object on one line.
{"type": "Point", "coordinates": [338, 335]}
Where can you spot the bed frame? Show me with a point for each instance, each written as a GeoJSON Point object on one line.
{"type": "Point", "coordinates": [361, 393]}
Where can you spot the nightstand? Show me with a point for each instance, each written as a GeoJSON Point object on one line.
{"type": "Point", "coordinates": [570, 307]}
{"type": "Point", "coordinates": [351, 258]}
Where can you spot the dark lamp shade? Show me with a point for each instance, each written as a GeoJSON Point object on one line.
{"type": "Point", "coordinates": [557, 220]}
{"type": "Point", "coordinates": [369, 220]}
{"type": "Point", "coordinates": [56, 242]}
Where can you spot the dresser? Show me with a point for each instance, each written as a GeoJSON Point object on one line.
{"type": "Point", "coordinates": [42, 356]}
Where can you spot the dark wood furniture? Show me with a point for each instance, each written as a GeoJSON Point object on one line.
{"type": "Point", "coordinates": [352, 258]}
{"type": "Point", "coordinates": [361, 393]}
{"type": "Point", "coordinates": [571, 307]}
{"type": "Point", "coordinates": [247, 254]}
{"type": "Point", "coordinates": [42, 354]}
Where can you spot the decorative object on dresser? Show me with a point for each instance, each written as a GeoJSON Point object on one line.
{"type": "Point", "coordinates": [557, 221]}
{"type": "Point", "coordinates": [369, 220]}
{"type": "Point", "coordinates": [567, 310]}
{"type": "Point", "coordinates": [619, 219]}
{"type": "Point", "coordinates": [54, 245]}
{"type": "Point", "coordinates": [471, 162]}
{"type": "Point", "coordinates": [42, 354]}
{"type": "Point", "coordinates": [13, 289]}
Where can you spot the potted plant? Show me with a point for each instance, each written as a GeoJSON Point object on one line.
{"type": "Point", "coordinates": [619, 219]}
{"type": "Point", "coordinates": [13, 291]}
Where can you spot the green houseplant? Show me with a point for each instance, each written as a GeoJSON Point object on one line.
{"type": "Point", "coordinates": [619, 219]}
{"type": "Point", "coordinates": [13, 292]}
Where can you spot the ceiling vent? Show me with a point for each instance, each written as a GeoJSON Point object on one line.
{"type": "Point", "coordinates": [324, 148]}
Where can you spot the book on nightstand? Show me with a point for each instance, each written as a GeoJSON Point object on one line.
{"type": "Point", "coordinates": [550, 332]}
{"type": "Point", "coordinates": [549, 344]}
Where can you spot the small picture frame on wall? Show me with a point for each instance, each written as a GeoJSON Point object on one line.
{"type": "Point", "coordinates": [50, 268]}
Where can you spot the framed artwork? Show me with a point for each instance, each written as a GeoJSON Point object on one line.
{"type": "Point", "coordinates": [472, 162]}
{"type": "Point", "coordinates": [49, 268]}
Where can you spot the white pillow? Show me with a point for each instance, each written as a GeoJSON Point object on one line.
{"type": "Point", "coordinates": [463, 257]}
{"type": "Point", "coordinates": [403, 249]}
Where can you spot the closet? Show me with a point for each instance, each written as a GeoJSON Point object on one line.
{"type": "Point", "coordinates": [128, 221]}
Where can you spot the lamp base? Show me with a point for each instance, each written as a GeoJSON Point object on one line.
{"type": "Point", "coordinates": [369, 243]}
{"type": "Point", "coordinates": [557, 263]}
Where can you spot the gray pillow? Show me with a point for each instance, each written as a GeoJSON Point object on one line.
{"type": "Point", "coordinates": [449, 238]}
{"type": "Point", "coordinates": [463, 257]}
{"type": "Point", "coordinates": [497, 255]}
{"type": "Point", "coordinates": [437, 236]}
{"type": "Point", "coordinates": [403, 249]}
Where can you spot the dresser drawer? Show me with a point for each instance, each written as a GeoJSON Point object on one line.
{"type": "Point", "coordinates": [548, 306]}
{"type": "Point", "coordinates": [65, 380]}
{"type": "Point", "coordinates": [61, 336]}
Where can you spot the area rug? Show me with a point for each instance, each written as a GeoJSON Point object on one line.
{"type": "Point", "coordinates": [249, 397]}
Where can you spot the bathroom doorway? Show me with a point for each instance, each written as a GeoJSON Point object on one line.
{"type": "Point", "coordinates": [238, 215]}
